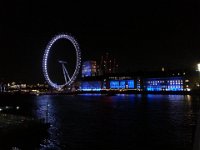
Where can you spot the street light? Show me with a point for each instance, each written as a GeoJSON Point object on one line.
{"type": "Point", "coordinates": [198, 67]}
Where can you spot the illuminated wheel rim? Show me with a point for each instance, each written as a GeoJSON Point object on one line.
{"type": "Point", "coordinates": [45, 60]}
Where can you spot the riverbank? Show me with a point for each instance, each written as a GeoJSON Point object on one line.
{"type": "Point", "coordinates": [114, 92]}
{"type": "Point", "coordinates": [107, 92]}
{"type": "Point", "coordinates": [20, 132]}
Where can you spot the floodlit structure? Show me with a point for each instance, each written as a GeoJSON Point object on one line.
{"type": "Point", "coordinates": [68, 80]}
{"type": "Point", "coordinates": [160, 81]}
{"type": "Point", "coordinates": [164, 84]}
{"type": "Point", "coordinates": [122, 84]}
{"type": "Point", "coordinates": [89, 68]}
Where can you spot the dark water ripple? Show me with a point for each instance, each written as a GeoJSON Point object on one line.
{"type": "Point", "coordinates": [121, 122]}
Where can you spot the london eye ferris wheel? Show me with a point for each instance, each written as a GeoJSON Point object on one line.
{"type": "Point", "coordinates": [68, 80]}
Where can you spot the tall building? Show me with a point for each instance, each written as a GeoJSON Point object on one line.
{"type": "Point", "coordinates": [89, 68]}
{"type": "Point", "coordinates": [107, 65]}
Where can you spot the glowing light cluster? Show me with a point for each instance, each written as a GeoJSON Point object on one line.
{"type": "Point", "coordinates": [89, 68]}
{"type": "Point", "coordinates": [164, 84]}
{"type": "Point", "coordinates": [45, 60]}
{"type": "Point", "coordinates": [90, 86]}
{"type": "Point", "coordinates": [198, 67]}
{"type": "Point", "coordinates": [122, 84]}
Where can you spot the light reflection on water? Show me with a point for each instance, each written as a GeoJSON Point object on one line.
{"type": "Point", "coordinates": [46, 111]}
{"type": "Point", "coordinates": [139, 121]}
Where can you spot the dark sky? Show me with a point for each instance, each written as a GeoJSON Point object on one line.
{"type": "Point", "coordinates": [141, 35]}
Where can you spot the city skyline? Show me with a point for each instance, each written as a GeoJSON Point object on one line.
{"type": "Point", "coordinates": [140, 36]}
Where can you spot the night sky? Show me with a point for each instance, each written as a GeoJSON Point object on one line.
{"type": "Point", "coordinates": [141, 35]}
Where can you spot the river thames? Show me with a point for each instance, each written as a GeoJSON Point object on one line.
{"type": "Point", "coordinates": [121, 122]}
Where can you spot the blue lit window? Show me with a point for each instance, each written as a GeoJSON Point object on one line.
{"type": "Point", "coordinates": [122, 84]}
{"type": "Point", "coordinates": [130, 84]}
{"type": "Point", "coordinates": [114, 84]}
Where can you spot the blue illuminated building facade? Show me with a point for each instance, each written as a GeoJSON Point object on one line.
{"type": "Point", "coordinates": [90, 86]}
{"type": "Point", "coordinates": [164, 84]}
{"type": "Point", "coordinates": [121, 84]}
{"type": "Point", "coordinates": [111, 84]}
{"type": "Point", "coordinates": [89, 68]}
{"type": "Point", "coordinates": [139, 81]}
{"type": "Point", "coordinates": [108, 83]}
{"type": "Point", "coordinates": [176, 83]}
